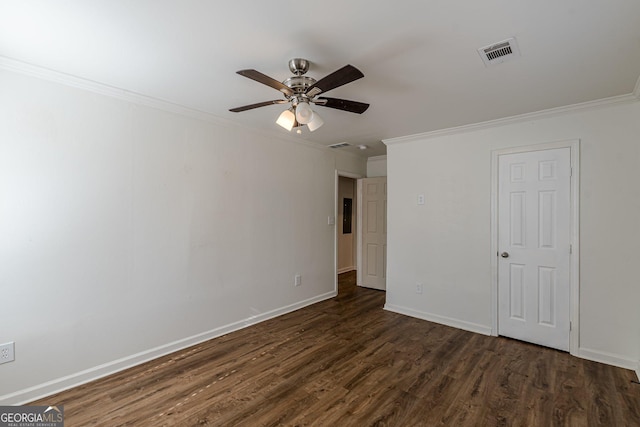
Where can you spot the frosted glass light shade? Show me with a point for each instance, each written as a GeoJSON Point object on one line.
{"type": "Point", "coordinates": [286, 119]}
{"type": "Point", "coordinates": [304, 113]}
{"type": "Point", "coordinates": [315, 123]}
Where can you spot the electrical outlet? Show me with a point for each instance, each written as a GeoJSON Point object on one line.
{"type": "Point", "coordinates": [7, 352]}
{"type": "Point", "coordinates": [298, 280]}
{"type": "Point", "coordinates": [418, 288]}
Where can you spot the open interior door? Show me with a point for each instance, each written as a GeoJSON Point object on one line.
{"type": "Point", "coordinates": [373, 270]}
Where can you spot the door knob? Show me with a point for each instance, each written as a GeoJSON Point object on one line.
{"type": "Point", "coordinates": [504, 254]}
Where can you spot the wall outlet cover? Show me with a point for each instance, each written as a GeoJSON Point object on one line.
{"type": "Point", "coordinates": [7, 352]}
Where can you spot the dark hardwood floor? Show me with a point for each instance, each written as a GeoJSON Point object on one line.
{"type": "Point", "coordinates": [347, 362]}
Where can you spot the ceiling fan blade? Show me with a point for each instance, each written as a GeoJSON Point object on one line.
{"type": "Point", "coordinates": [264, 79]}
{"type": "Point", "coordinates": [259, 104]}
{"type": "Point", "coordinates": [343, 104]}
{"type": "Point", "coordinates": [344, 75]}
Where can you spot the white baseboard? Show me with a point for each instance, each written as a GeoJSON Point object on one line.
{"type": "Point", "coordinates": [584, 353]}
{"type": "Point", "coordinates": [39, 391]}
{"type": "Point", "coordinates": [346, 269]}
{"type": "Point", "coordinates": [608, 358]}
{"type": "Point", "coordinates": [456, 323]}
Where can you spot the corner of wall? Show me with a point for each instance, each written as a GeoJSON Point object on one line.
{"type": "Point", "coordinates": [442, 320]}
{"type": "Point", "coordinates": [350, 163]}
{"type": "Point", "coordinates": [608, 359]}
{"type": "Point", "coordinates": [376, 166]}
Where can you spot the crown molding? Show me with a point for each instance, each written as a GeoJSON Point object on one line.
{"type": "Point", "coordinates": [21, 67]}
{"type": "Point", "coordinates": [377, 158]}
{"type": "Point", "coordinates": [537, 115]}
{"type": "Point", "coordinates": [42, 73]}
{"type": "Point", "coordinates": [31, 70]}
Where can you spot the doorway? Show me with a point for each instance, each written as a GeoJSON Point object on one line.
{"type": "Point", "coordinates": [346, 224]}
{"type": "Point", "coordinates": [535, 244]}
{"type": "Point", "coordinates": [345, 249]}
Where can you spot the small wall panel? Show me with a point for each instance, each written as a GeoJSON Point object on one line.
{"type": "Point", "coordinates": [547, 296]}
{"type": "Point", "coordinates": [547, 219]}
{"type": "Point", "coordinates": [372, 259]}
{"type": "Point", "coordinates": [517, 219]}
{"type": "Point", "coordinates": [517, 172]}
{"type": "Point", "coordinates": [372, 216]}
{"type": "Point", "coordinates": [547, 170]}
{"type": "Point", "coordinates": [516, 292]}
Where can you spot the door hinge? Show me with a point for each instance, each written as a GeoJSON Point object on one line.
{"type": "Point", "coordinates": [571, 326]}
{"type": "Point", "coordinates": [570, 249]}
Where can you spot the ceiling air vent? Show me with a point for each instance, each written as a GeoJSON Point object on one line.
{"type": "Point", "coordinates": [500, 52]}
{"type": "Point", "coordinates": [340, 145]}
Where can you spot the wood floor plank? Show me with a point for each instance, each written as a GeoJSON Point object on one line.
{"type": "Point", "coordinates": [348, 362]}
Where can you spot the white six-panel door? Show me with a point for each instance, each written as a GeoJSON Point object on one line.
{"type": "Point", "coordinates": [374, 233]}
{"type": "Point", "coordinates": [534, 246]}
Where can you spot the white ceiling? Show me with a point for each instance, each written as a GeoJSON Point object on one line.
{"type": "Point", "coordinates": [420, 61]}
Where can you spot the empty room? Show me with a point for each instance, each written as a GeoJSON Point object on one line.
{"type": "Point", "coordinates": [255, 213]}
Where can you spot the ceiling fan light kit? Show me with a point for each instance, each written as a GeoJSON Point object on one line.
{"type": "Point", "coordinates": [304, 113]}
{"type": "Point", "coordinates": [300, 91]}
{"type": "Point", "coordinates": [287, 119]}
{"type": "Point", "coordinates": [315, 122]}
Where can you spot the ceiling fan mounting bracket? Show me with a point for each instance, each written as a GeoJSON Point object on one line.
{"type": "Point", "coordinates": [298, 66]}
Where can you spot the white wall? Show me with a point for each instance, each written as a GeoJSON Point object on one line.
{"type": "Point", "coordinates": [446, 243]}
{"type": "Point", "coordinates": [128, 232]}
{"type": "Point", "coordinates": [376, 166]}
{"type": "Point", "coordinates": [346, 242]}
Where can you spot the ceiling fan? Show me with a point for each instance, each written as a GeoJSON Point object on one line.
{"type": "Point", "coordinates": [300, 91]}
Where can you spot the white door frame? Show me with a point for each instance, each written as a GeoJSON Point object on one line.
{"type": "Point", "coordinates": [356, 238]}
{"type": "Point", "coordinates": [574, 224]}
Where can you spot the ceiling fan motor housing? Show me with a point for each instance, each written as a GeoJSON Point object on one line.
{"type": "Point", "coordinates": [299, 84]}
